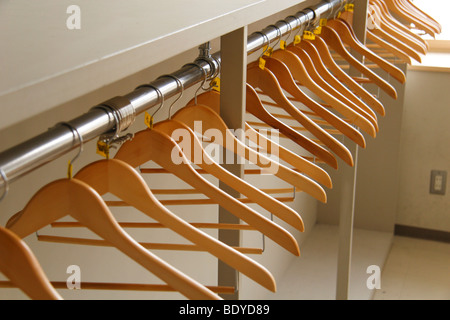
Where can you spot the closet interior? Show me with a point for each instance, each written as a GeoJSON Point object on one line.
{"type": "Point", "coordinates": [226, 133]}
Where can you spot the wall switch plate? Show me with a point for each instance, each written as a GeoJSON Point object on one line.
{"type": "Point", "coordinates": [438, 182]}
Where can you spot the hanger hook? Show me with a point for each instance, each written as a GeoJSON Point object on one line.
{"type": "Point", "coordinates": [330, 9]}
{"type": "Point", "coordinates": [268, 42]}
{"type": "Point", "coordinates": [204, 78]}
{"type": "Point", "coordinates": [80, 150]}
{"type": "Point", "coordinates": [179, 85]}
{"type": "Point", "coordinates": [278, 34]}
{"type": "Point", "coordinates": [288, 25]}
{"type": "Point", "coordinates": [6, 184]}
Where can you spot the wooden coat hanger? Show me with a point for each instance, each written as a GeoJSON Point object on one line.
{"type": "Point", "coordinates": [355, 104]}
{"type": "Point", "coordinates": [333, 40]}
{"type": "Point", "coordinates": [211, 99]}
{"type": "Point", "coordinates": [347, 37]}
{"type": "Point", "coordinates": [77, 199]}
{"type": "Point", "coordinates": [402, 40]}
{"type": "Point", "coordinates": [322, 49]}
{"type": "Point", "coordinates": [19, 265]}
{"type": "Point", "coordinates": [381, 33]}
{"type": "Point", "coordinates": [313, 61]}
{"type": "Point", "coordinates": [119, 178]}
{"type": "Point", "coordinates": [406, 12]}
{"type": "Point", "coordinates": [387, 17]}
{"type": "Point", "coordinates": [277, 208]}
{"type": "Point", "coordinates": [300, 74]}
{"type": "Point", "coordinates": [389, 47]}
{"type": "Point", "coordinates": [425, 15]}
{"type": "Point", "coordinates": [330, 118]}
{"type": "Point", "coordinates": [211, 120]}
{"type": "Point", "coordinates": [160, 148]}
{"type": "Point", "coordinates": [413, 11]}
{"type": "Point", "coordinates": [398, 8]}
{"type": "Point", "coordinates": [268, 83]}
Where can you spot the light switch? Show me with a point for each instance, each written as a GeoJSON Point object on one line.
{"type": "Point", "coordinates": [438, 182]}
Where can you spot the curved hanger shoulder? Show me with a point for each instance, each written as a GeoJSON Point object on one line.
{"type": "Point", "coordinates": [389, 47]}
{"type": "Point", "coordinates": [285, 79]}
{"type": "Point", "coordinates": [300, 74]}
{"type": "Point", "coordinates": [299, 163]}
{"type": "Point", "coordinates": [193, 145]}
{"type": "Point", "coordinates": [19, 265]}
{"type": "Point", "coordinates": [268, 83]}
{"type": "Point", "coordinates": [157, 146]}
{"type": "Point", "coordinates": [387, 17]}
{"type": "Point", "coordinates": [211, 99]}
{"type": "Point", "coordinates": [359, 107]}
{"type": "Point", "coordinates": [395, 7]}
{"type": "Point", "coordinates": [413, 12]}
{"type": "Point", "coordinates": [424, 14]}
{"type": "Point", "coordinates": [397, 33]}
{"type": "Point", "coordinates": [120, 179]}
{"type": "Point", "coordinates": [76, 198]}
{"type": "Point", "coordinates": [347, 37]}
{"type": "Point", "coordinates": [321, 48]}
{"type": "Point", "coordinates": [314, 62]}
{"type": "Point", "coordinates": [212, 120]}
{"type": "Point", "coordinates": [332, 39]}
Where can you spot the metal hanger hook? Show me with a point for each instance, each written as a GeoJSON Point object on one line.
{"type": "Point", "coordinates": [204, 78]}
{"type": "Point", "coordinates": [268, 42]}
{"type": "Point", "coordinates": [288, 25]}
{"type": "Point", "coordinates": [278, 34]}
{"type": "Point", "coordinates": [80, 150]}
{"type": "Point", "coordinates": [179, 85]}
{"type": "Point", "coordinates": [6, 184]}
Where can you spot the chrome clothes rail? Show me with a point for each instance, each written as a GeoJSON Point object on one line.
{"type": "Point", "coordinates": [118, 113]}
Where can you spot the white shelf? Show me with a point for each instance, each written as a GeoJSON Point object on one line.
{"type": "Point", "coordinates": [44, 64]}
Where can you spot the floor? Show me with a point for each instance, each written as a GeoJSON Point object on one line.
{"type": "Point", "coordinates": [416, 270]}
{"type": "Point", "coordinates": [412, 269]}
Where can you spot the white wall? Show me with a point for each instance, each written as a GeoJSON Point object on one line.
{"type": "Point", "coordinates": [424, 147]}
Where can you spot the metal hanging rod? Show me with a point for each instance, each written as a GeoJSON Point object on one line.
{"type": "Point", "coordinates": [116, 114]}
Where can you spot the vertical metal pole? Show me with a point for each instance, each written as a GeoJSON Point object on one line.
{"type": "Point", "coordinates": [348, 187]}
{"type": "Point", "coordinates": [232, 110]}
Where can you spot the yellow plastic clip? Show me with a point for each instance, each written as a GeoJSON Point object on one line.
{"type": "Point", "coordinates": [148, 120]}
{"type": "Point", "coordinates": [308, 35]}
{"type": "Point", "coordinates": [103, 149]}
{"type": "Point", "coordinates": [70, 170]}
{"type": "Point", "coordinates": [297, 39]}
{"type": "Point", "coordinates": [216, 84]}
{"type": "Point", "coordinates": [350, 7]}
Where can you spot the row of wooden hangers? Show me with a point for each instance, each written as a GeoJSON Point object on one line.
{"type": "Point", "coordinates": [280, 75]}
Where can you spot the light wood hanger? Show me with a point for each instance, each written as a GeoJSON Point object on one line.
{"type": "Point", "coordinates": [20, 265]}
{"type": "Point", "coordinates": [333, 40]}
{"type": "Point", "coordinates": [355, 104]}
{"type": "Point", "coordinates": [211, 99]}
{"type": "Point", "coordinates": [300, 74]}
{"type": "Point", "coordinates": [348, 38]}
{"type": "Point", "coordinates": [382, 26]}
{"type": "Point", "coordinates": [287, 82]}
{"type": "Point", "coordinates": [387, 17]}
{"type": "Point", "coordinates": [398, 8]}
{"type": "Point", "coordinates": [211, 120]}
{"type": "Point", "coordinates": [119, 178]}
{"type": "Point", "coordinates": [270, 85]}
{"type": "Point", "coordinates": [389, 47]}
{"type": "Point", "coordinates": [160, 148]}
{"type": "Point", "coordinates": [278, 208]}
{"type": "Point", "coordinates": [79, 200]}
{"type": "Point", "coordinates": [379, 32]}
{"type": "Point", "coordinates": [313, 62]}
{"type": "Point", "coordinates": [425, 15]}
{"type": "Point", "coordinates": [325, 55]}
